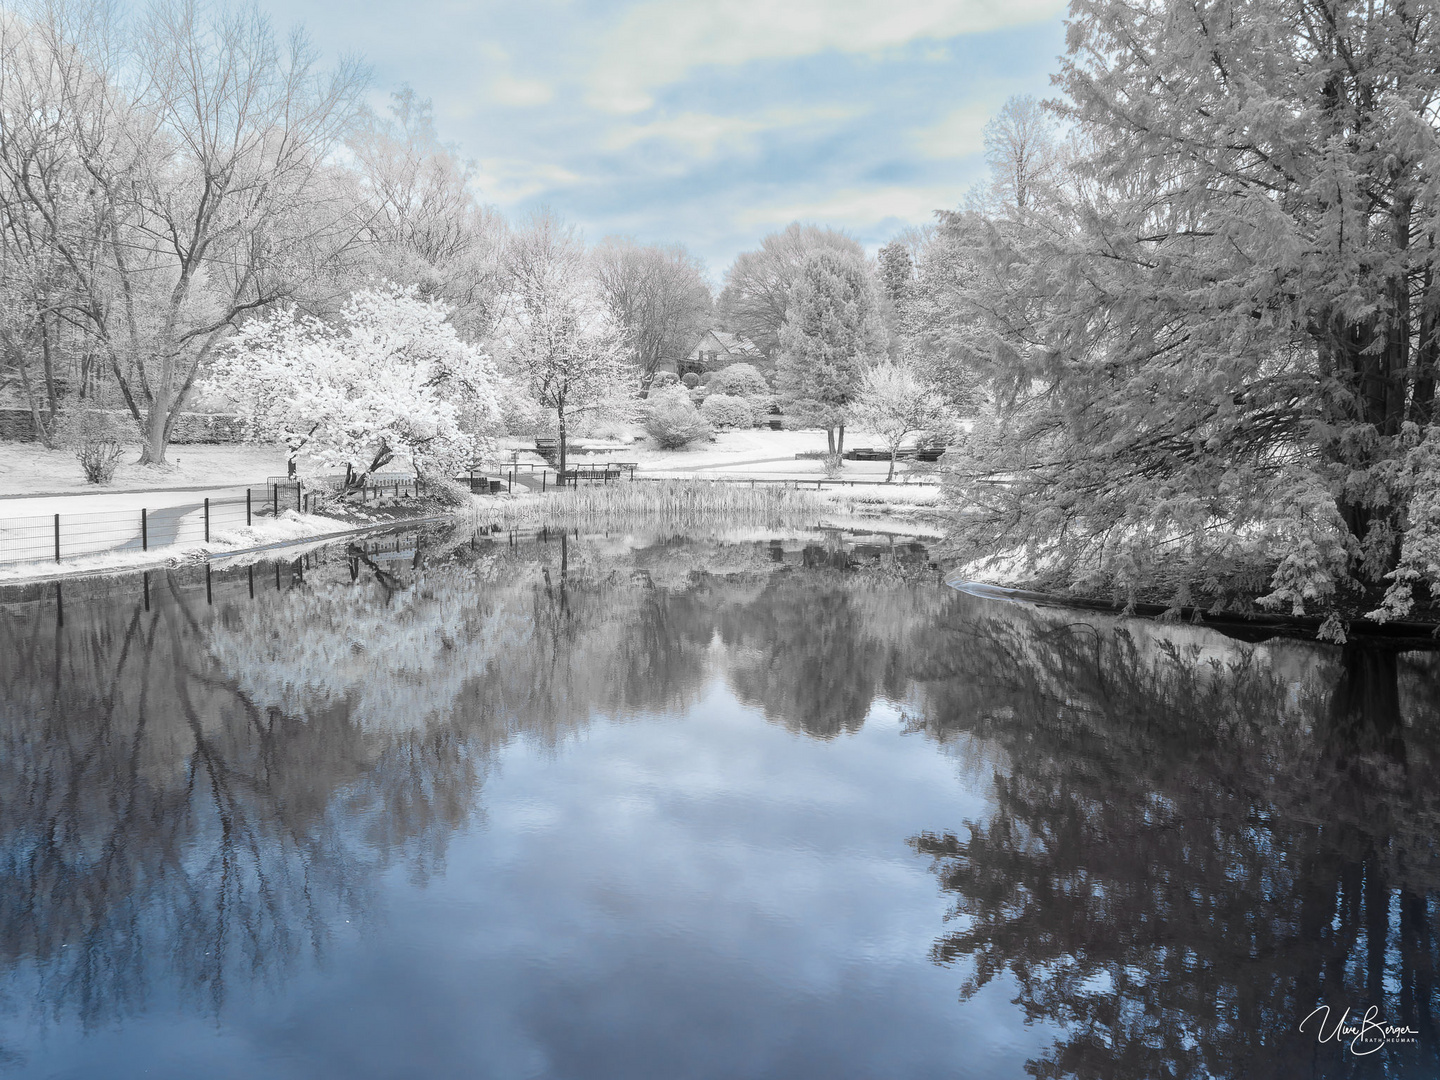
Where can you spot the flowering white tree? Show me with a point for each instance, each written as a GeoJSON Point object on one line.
{"type": "Point", "coordinates": [894, 401]}
{"type": "Point", "coordinates": [393, 378]}
{"type": "Point", "coordinates": [559, 340]}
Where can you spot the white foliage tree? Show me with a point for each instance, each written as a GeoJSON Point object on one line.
{"type": "Point", "coordinates": [559, 340]}
{"type": "Point", "coordinates": [391, 379]}
{"type": "Point", "coordinates": [895, 401]}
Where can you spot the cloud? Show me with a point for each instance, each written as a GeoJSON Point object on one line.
{"type": "Point", "coordinates": [703, 134]}
{"type": "Point", "coordinates": [858, 206]}
{"type": "Point", "coordinates": [958, 134]}
{"type": "Point", "coordinates": [524, 93]}
{"type": "Point", "coordinates": [509, 180]}
{"type": "Point", "coordinates": [658, 42]}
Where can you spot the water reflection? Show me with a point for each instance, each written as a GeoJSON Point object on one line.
{"type": "Point", "coordinates": [201, 775]}
{"type": "Point", "coordinates": [1187, 842]}
{"type": "Point", "coordinates": [1192, 846]}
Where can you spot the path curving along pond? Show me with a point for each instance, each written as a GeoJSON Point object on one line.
{"type": "Point", "coordinates": [762, 805]}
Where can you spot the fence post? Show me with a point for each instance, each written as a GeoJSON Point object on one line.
{"type": "Point", "coordinates": [510, 482]}
{"type": "Point", "coordinates": [144, 531]}
{"type": "Point", "coordinates": [247, 508]}
{"type": "Point", "coordinates": [542, 481]}
{"type": "Point", "coordinates": [297, 496]}
{"type": "Point", "coordinates": [207, 529]}
{"type": "Point", "coordinates": [275, 505]}
{"type": "Point", "coordinates": [57, 537]}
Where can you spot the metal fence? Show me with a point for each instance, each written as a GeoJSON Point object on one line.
{"type": "Point", "coordinates": [376, 485]}
{"type": "Point", "coordinates": [57, 537]}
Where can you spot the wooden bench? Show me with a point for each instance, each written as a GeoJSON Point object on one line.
{"type": "Point", "coordinates": [594, 473]}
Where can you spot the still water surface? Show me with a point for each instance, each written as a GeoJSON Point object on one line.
{"type": "Point", "coordinates": [569, 806]}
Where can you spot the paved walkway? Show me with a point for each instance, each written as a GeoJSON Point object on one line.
{"type": "Point", "coordinates": [97, 522]}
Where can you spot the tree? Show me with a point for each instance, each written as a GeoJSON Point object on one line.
{"type": "Point", "coordinates": [758, 284]}
{"type": "Point", "coordinates": [658, 297]}
{"type": "Point", "coordinates": [197, 147]}
{"type": "Point", "coordinates": [895, 401]}
{"type": "Point", "coordinates": [831, 333]}
{"type": "Point", "coordinates": [392, 378]}
{"type": "Point", "coordinates": [1024, 155]}
{"type": "Point", "coordinates": [1216, 350]}
{"type": "Point", "coordinates": [421, 221]}
{"type": "Point", "coordinates": [40, 201]}
{"type": "Point", "coordinates": [559, 341]}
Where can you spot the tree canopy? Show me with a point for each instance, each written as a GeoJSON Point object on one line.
{"type": "Point", "coordinates": [831, 334]}
{"type": "Point", "coordinates": [658, 296]}
{"type": "Point", "coordinates": [758, 284]}
{"type": "Point", "coordinates": [1214, 346]}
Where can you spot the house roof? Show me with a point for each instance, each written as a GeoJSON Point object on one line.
{"type": "Point", "coordinates": [733, 344]}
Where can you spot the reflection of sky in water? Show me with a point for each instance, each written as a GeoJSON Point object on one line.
{"type": "Point", "coordinates": [573, 808]}
{"type": "Point", "coordinates": [707, 895]}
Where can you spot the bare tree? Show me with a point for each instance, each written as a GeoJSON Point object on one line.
{"type": "Point", "coordinates": [198, 145]}
{"type": "Point", "coordinates": [658, 296]}
{"type": "Point", "coordinates": [41, 201]}
{"type": "Point", "coordinates": [422, 222]}
{"type": "Point", "coordinates": [1023, 152]}
{"type": "Point", "coordinates": [758, 283]}
{"type": "Point", "coordinates": [557, 337]}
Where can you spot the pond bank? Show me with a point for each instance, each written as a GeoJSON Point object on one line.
{"type": "Point", "coordinates": [1251, 626]}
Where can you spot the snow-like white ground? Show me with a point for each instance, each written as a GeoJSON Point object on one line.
{"type": "Point", "coordinates": [29, 469]}
{"type": "Point", "coordinates": [289, 526]}
{"type": "Point", "coordinates": [104, 523]}
{"type": "Point", "coordinates": [757, 452]}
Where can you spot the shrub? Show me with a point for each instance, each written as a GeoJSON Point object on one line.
{"type": "Point", "coordinates": [96, 437]}
{"type": "Point", "coordinates": [691, 380]}
{"type": "Point", "coordinates": [445, 490]}
{"type": "Point", "coordinates": [740, 380]}
{"type": "Point", "coordinates": [723, 410]}
{"type": "Point", "coordinates": [664, 380]}
{"type": "Point", "coordinates": [672, 420]}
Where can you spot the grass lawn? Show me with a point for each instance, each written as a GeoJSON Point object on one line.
{"type": "Point", "coordinates": [29, 469]}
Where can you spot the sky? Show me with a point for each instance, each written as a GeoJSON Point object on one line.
{"type": "Point", "coordinates": [706, 122]}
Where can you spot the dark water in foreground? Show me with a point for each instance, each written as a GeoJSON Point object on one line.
{"type": "Point", "coordinates": [607, 807]}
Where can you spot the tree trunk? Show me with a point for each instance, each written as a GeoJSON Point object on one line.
{"type": "Point", "coordinates": [830, 440]}
{"type": "Point", "coordinates": [1422, 398]}
{"type": "Point", "coordinates": [891, 474]}
{"type": "Point", "coordinates": [840, 441]}
{"type": "Point", "coordinates": [560, 415]}
{"type": "Point", "coordinates": [154, 434]}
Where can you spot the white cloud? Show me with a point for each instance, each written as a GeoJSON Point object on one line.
{"type": "Point", "coordinates": [509, 90]}
{"type": "Point", "coordinates": [658, 42]}
{"type": "Point", "coordinates": [509, 180]}
{"type": "Point", "coordinates": [957, 134]}
{"type": "Point", "coordinates": [859, 206]}
{"type": "Point", "coordinates": [705, 133]}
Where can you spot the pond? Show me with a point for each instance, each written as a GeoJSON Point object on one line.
{"type": "Point", "coordinates": [568, 805]}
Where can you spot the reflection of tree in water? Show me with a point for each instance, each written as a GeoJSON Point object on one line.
{"type": "Point", "coordinates": [1192, 846]}
{"type": "Point", "coordinates": [141, 818]}
{"type": "Point", "coordinates": [815, 648]}
{"type": "Point", "coordinates": [195, 793]}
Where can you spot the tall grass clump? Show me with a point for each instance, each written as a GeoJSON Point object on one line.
{"type": "Point", "coordinates": [681, 503]}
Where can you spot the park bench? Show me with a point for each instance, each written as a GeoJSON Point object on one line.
{"type": "Point", "coordinates": [603, 473]}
